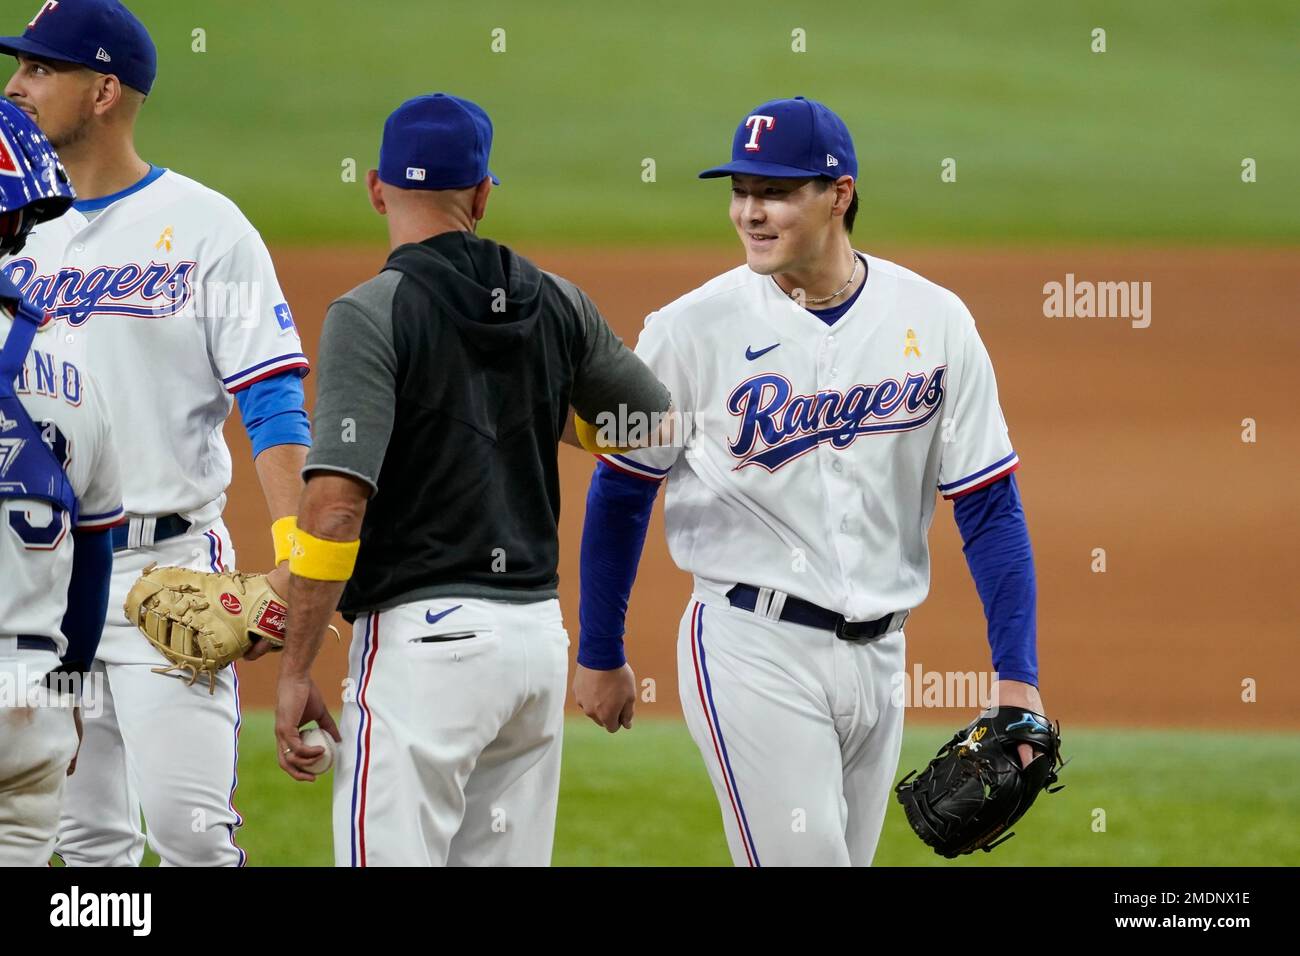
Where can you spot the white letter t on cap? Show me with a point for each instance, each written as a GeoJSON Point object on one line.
{"type": "Point", "coordinates": [46, 7]}
{"type": "Point", "coordinates": [757, 124]}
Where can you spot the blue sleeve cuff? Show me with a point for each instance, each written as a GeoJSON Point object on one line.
{"type": "Point", "coordinates": [272, 411]}
{"type": "Point", "coordinates": [995, 540]}
{"type": "Point", "coordinates": [92, 571]}
{"type": "Point", "coordinates": [613, 536]}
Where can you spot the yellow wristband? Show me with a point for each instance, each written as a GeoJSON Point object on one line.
{"type": "Point", "coordinates": [587, 438]}
{"type": "Point", "coordinates": [281, 528]}
{"type": "Point", "coordinates": [319, 559]}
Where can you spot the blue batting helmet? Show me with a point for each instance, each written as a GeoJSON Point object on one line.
{"type": "Point", "coordinates": [34, 185]}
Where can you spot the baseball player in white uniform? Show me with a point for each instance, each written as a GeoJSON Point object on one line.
{"type": "Point", "coordinates": [59, 495]}
{"type": "Point", "coordinates": [164, 291]}
{"type": "Point", "coordinates": [830, 394]}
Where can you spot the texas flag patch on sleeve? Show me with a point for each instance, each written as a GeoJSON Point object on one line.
{"type": "Point", "coordinates": [285, 318]}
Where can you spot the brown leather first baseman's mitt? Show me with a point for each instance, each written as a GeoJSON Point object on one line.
{"type": "Point", "coordinates": [201, 621]}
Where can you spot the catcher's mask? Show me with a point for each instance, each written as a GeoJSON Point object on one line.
{"type": "Point", "coordinates": [34, 186]}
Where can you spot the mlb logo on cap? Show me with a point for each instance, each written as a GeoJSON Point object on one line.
{"type": "Point", "coordinates": [438, 141]}
{"type": "Point", "coordinates": [790, 139]}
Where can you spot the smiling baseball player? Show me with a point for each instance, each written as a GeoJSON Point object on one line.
{"type": "Point", "coordinates": [59, 495]}
{"type": "Point", "coordinates": [164, 290]}
{"type": "Point", "coordinates": [832, 394]}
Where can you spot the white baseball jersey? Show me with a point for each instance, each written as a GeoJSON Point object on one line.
{"type": "Point", "coordinates": [815, 452]}
{"type": "Point", "coordinates": [167, 295]}
{"type": "Point", "coordinates": [35, 538]}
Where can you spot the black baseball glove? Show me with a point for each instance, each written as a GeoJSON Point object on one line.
{"type": "Point", "coordinates": [975, 787]}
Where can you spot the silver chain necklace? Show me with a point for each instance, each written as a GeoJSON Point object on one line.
{"type": "Point", "coordinates": [826, 298]}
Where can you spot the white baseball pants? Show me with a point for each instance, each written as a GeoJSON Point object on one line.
{"type": "Point", "coordinates": [451, 735]}
{"type": "Point", "coordinates": [158, 747]}
{"type": "Point", "coordinates": [799, 732]}
{"type": "Point", "coordinates": [37, 740]}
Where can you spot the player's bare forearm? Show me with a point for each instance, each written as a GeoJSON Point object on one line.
{"type": "Point", "coordinates": [331, 507]}
{"type": "Point", "coordinates": [1015, 693]}
{"type": "Point", "coordinates": [570, 433]}
{"type": "Point", "coordinates": [312, 604]}
{"type": "Point", "coordinates": [279, 469]}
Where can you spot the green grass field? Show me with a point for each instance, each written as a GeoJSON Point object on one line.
{"type": "Point", "coordinates": [1143, 142]}
{"type": "Point", "coordinates": [642, 798]}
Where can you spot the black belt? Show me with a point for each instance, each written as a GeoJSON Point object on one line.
{"type": "Point", "coordinates": [37, 642]}
{"type": "Point", "coordinates": [798, 611]}
{"type": "Point", "coordinates": [166, 526]}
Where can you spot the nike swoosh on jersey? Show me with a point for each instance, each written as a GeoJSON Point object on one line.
{"type": "Point", "coordinates": [751, 354]}
{"type": "Point", "coordinates": [435, 618]}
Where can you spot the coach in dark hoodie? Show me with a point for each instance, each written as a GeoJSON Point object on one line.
{"type": "Point", "coordinates": [432, 492]}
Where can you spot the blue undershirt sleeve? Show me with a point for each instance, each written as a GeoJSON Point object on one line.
{"type": "Point", "coordinates": [613, 536]}
{"type": "Point", "coordinates": [83, 623]}
{"type": "Point", "coordinates": [272, 411]}
{"type": "Point", "coordinates": [995, 541]}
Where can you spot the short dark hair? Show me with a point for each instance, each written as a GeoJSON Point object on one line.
{"type": "Point", "coordinates": [824, 183]}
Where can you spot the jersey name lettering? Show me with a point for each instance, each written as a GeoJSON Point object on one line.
{"type": "Point", "coordinates": [43, 374]}
{"type": "Point", "coordinates": [789, 425]}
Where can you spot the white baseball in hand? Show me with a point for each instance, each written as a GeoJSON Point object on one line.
{"type": "Point", "coordinates": [315, 737]}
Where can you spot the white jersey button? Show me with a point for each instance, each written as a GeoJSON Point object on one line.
{"type": "Point", "coordinates": [837, 465]}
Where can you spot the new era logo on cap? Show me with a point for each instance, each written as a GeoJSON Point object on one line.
{"type": "Point", "coordinates": [415, 174]}
{"type": "Point", "coordinates": [102, 54]}
{"type": "Point", "coordinates": [831, 160]}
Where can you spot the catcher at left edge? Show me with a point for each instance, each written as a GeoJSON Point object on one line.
{"type": "Point", "coordinates": [201, 621]}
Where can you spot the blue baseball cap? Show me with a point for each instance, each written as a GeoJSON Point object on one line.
{"type": "Point", "coordinates": [794, 138]}
{"type": "Point", "coordinates": [101, 35]}
{"type": "Point", "coordinates": [438, 141]}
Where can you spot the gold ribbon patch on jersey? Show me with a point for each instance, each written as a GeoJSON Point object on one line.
{"type": "Point", "coordinates": [910, 347]}
{"type": "Point", "coordinates": [165, 240]}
